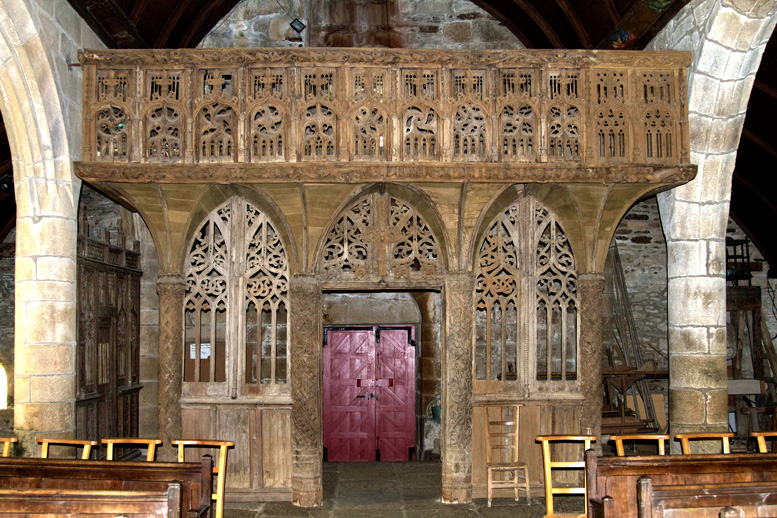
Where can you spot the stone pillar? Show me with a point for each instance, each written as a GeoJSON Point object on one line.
{"type": "Point", "coordinates": [45, 326]}
{"type": "Point", "coordinates": [171, 289]}
{"type": "Point", "coordinates": [305, 306]}
{"type": "Point", "coordinates": [591, 290]}
{"type": "Point", "coordinates": [698, 392]}
{"type": "Point", "coordinates": [456, 440]}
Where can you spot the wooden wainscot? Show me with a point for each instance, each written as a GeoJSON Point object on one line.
{"type": "Point", "coordinates": [682, 486]}
{"type": "Point", "coordinates": [85, 486]}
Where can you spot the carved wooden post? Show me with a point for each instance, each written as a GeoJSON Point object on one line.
{"type": "Point", "coordinates": [456, 440]}
{"type": "Point", "coordinates": [307, 448]}
{"type": "Point", "coordinates": [591, 286]}
{"type": "Point", "coordinates": [171, 289]}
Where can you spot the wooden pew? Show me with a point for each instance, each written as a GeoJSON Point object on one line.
{"type": "Point", "coordinates": [63, 503]}
{"type": "Point", "coordinates": [707, 500]}
{"type": "Point", "coordinates": [94, 475]}
{"type": "Point", "coordinates": [612, 481]}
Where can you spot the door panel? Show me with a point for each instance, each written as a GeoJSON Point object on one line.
{"type": "Point", "coordinates": [369, 394]}
{"type": "Point", "coordinates": [349, 409]}
{"type": "Point", "coordinates": [396, 403]}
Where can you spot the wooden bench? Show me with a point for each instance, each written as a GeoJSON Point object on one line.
{"type": "Point", "coordinates": [612, 482]}
{"type": "Point", "coordinates": [95, 475]}
{"type": "Point", "coordinates": [745, 499]}
{"type": "Point", "coordinates": [56, 503]}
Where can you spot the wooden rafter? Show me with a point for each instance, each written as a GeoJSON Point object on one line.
{"type": "Point", "coordinates": [755, 139]}
{"type": "Point", "coordinates": [110, 23]}
{"type": "Point", "coordinates": [574, 19]}
{"type": "Point", "coordinates": [537, 18]}
{"type": "Point", "coordinates": [172, 21]}
{"type": "Point", "coordinates": [188, 38]}
{"type": "Point", "coordinates": [765, 88]}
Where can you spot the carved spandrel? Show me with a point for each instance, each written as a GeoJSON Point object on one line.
{"type": "Point", "coordinates": [381, 235]}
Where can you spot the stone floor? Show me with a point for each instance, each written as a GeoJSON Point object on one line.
{"type": "Point", "coordinates": [395, 490]}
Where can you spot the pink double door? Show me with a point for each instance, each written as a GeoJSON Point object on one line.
{"type": "Point", "coordinates": [369, 393]}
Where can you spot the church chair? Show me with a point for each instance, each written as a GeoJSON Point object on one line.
{"type": "Point", "coordinates": [7, 442]}
{"type": "Point", "coordinates": [761, 438]}
{"type": "Point", "coordinates": [151, 444]}
{"type": "Point", "coordinates": [87, 446]}
{"type": "Point", "coordinates": [639, 437]}
{"type": "Point", "coordinates": [685, 439]}
{"type": "Point", "coordinates": [220, 470]}
{"type": "Point", "coordinates": [549, 465]}
{"type": "Point", "coordinates": [501, 433]}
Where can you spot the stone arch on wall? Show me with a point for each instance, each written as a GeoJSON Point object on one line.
{"type": "Point", "coordinates": [46, 196]}
{"type": "Point", "coordinates": [384, 230]}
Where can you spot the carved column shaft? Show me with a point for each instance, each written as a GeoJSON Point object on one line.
{"type": "Point", "coordinates": [306, 428]}
{"type": "Point", "coordinates": [456, 440]}
{"type": "Point", "coordinates": [590, 370]}
{"type": "Point", "coordinates": [171, 289]}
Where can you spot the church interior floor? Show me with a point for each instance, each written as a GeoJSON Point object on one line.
{"type": "Point", "coordinates": [395, 490]}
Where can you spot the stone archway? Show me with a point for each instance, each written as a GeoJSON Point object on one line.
{"type": "Point", "coordinates": [46, 198]}
{"type": "Point", "coordinates": [727, 47]}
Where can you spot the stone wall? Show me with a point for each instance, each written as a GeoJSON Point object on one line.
{"type": "Point", "coordinates": [7, 266]}
{"type": "Point", "coordinates": [642, 250]}
{"type": "Point", "coordinates": [444, 24]}
{"type": "Point", "coordinates": [149, 332]}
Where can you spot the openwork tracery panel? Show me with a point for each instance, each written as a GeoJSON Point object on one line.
{"type": "Point", "coordinates": [525, 301]}
{"type": "Point", "coordinates": [518, 119]}
{"type": "Point", "coordinates": [612, 117]}
{"type": "Point", "coordinates": [319, 120]}
{"type": "Point", "coordinates": [267, 284]}
{"type": "Point", "coordinates": [164, 130]}
{"type": "Point", "coordinates": [112, 117]}
{"type": "Point", "coordinates": [564, 118]}
{"type": "Point", "coordinates": [236, 309]}
{"type": "Point", "coordinates": [370, 124]}
{"type": "Point", "coordinates": [268, 122]}
{"type": "Point", "coordinates": [420, 132]}
{"type": "Point", "coordinates": [656, 89]}
{"type": "Point", "coordinates": [380, 235]}
{"type": "Point", "coordinates": [555, 278]}
{"type": "Point", "coordinates": [414, 248]}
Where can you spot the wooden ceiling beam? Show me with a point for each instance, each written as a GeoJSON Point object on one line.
{"type": "Point", "coordinates": [755, 139]}
{"type": "Point", "coordinates": [609, 6]}
{"type": "Point", "coordinates": [574, 19]}
{"type": "Point", "coordinates": [137, 11]}
{"type": "Point", "coordinates": [186, 42]}
{"type": "Point", "coordinates": [172, 21]}
{"type": "Point", "coordinates": [758, 191]}
{"type": "Point", "coordinates": [765, 88]}
{"type": "Point", "coordinates": [537, 18]}
{"type": "Point", "coordinates": [110, 23]}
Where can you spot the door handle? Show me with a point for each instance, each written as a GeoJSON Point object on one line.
{"type": "Point", "coordinates": [368, 396]}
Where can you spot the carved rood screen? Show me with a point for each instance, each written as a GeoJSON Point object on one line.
{"type": "Point", "coordinates": [237, 253]}
{"type": "Point", "coordinates": [325, 105]}
{"type": "Point", "coordinates": [526, 293]}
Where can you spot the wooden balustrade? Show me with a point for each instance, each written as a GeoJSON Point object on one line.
{"type": "Point", "coordinates": [209, 106]}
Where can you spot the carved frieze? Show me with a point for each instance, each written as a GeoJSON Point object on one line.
{"type": "Point", "coordinates": [378, 105]}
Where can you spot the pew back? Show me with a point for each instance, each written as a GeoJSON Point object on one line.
{"type": "Point", "coordinates": [616, 477]}
{"type": "Point", "coordinates": [33, 473]}
{"type": "Point", "coordinates": [736, 499]}
{"type": "Point", "coordinates": [64, 503]}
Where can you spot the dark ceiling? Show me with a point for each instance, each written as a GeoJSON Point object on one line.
{"type": "Point", "coordinates": [573, 24]}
